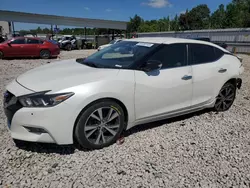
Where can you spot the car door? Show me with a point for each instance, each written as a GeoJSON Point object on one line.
{"type": "Point", "coordinates": [16, 47]}
{"type": "Point", "coordinates": [168, 90]}
{"type": "Point", "coordinates": [32, 47]}
{"type": "Point", "coordinates": [209, 72]}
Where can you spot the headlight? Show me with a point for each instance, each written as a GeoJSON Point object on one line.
{"type": "Point", "coordinates": [42, 100]}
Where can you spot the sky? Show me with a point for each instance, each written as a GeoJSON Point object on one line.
{"type": "Point", "coordinates": [105, 9]}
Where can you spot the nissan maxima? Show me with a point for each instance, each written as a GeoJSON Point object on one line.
{"type": "Point", "coordinates": [91, 101]}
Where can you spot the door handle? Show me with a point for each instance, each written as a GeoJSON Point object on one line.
{"type": "Point", "coordinates": [186, 77]}
{"type": "Point", "coordinates": [222, 70]}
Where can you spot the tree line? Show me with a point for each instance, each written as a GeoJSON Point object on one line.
{"type": "Point", "coordinates": [234, 15]}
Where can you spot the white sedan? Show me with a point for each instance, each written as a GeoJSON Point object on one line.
{"type": "Point", "coordinates": [109, 44]}
{"type": "Point", "coordinates": [92, 100]}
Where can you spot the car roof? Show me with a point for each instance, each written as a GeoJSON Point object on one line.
{"type": "Point", "coordinates": [171, 40]}
{"type": "Point", "coordinates": [27, 38]}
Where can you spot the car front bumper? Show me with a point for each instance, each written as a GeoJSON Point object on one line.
{"type": "Point", "coordinates": [48, 125]}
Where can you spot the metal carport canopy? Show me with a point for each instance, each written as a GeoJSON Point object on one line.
{"type": "Point", "coordinates": [12, 16]}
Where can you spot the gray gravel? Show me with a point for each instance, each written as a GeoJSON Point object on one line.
{"type": "Point", "coordinates": [205, 149]}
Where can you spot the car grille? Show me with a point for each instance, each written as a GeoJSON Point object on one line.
{"type": "Point", "coordinates": [11, 105]}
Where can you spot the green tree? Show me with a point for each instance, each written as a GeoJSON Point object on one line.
{"type": "Point", "coordinates": [134, 24]}
{"type": "Point", "coordinates": [218, 18]}
{"type": "Point", "coordinates": [184, 21]}
{"type": "Point", "coordinates": [175, 24]}
{"type": "Point", "coordinates": [199, 17]}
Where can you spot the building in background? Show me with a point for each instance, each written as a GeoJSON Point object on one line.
{"type": "Point", "coordinates": [5, 28]}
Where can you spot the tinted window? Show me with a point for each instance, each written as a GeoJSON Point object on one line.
{"type": "Point", "coordinates": [33, 41]}
{"type": "Point", "coordinates": [218, 53]}
{"type": "Point", "coordinates": [18, 41]}
{"type": "Point", "coordinates": [204, 54]}
{"type": "Point", "coordinates": [171, 56]}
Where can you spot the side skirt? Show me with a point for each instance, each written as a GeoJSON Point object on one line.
{"type": "Point", "coordinates": [176, 113]}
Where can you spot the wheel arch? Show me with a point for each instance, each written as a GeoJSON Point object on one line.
{"type": "Point", "coordinates": [125, 110]}
{"type": "Point", "coordinates": [42, 49]}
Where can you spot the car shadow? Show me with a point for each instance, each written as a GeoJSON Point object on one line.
{"type": "Point", "coordinates": [70, 149]}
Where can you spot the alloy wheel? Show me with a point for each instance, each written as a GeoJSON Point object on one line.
{"type": "Point", "coordinates": [102, 125]}
{"type": "Point", "coordinates": [225, 98]}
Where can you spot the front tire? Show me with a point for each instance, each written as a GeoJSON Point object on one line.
{"type": "Point", "coordinates": [225, 98]}
{"type": "Point", "coordinates": [68, 47]}
{"type": "Point", "coordinates": [100, 125]}
{"type": "Point", "coordinates": [45, 54]}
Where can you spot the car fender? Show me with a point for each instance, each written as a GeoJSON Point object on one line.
{"type": "Point", "coordinates": [91, 92]}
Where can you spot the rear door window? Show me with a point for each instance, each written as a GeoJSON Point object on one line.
{"type": "Point", "coordinates": [171, 56]}
{"type": "Point", "coordinates": [33, 41]}
{"type": "Point", "coordinates": [201, 53]}
{"type": "Point", "coordinates": [18, 41]}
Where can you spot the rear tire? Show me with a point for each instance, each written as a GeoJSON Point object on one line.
{"type": "Point", "coordinates": [100, 125]}
{"type": "Point", "coordinates": [225, 98]}
{"type": "Point", "coordinates": [1, 55]}
{"type": "Point", "coordinates": [68, 47]}
{"type": "Point", "coordinates": [45, 54]}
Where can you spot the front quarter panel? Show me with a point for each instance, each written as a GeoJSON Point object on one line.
{"type": "Point", "coordinates": [120, 87]}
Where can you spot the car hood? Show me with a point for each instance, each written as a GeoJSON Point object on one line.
{"type": "Point", "coordinates": [61, 75]}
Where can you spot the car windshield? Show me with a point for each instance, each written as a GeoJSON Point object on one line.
{"type": "Point", "coordinates": [121, 55]}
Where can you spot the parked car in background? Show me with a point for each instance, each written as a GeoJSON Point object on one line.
{"type": "Point", "coordinates": [109, 44]}
{"type": "Point", "coordinates": [68, 42]}
{"type": "Point", "coordinates": [28, 47]}
{"type": "Point", "coordinates": [87, 44]}
{"type": "Point", "coordinates": [93, 100]}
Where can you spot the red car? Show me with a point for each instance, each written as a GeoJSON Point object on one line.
{"type": "Point", "coordinates": [28, 47]}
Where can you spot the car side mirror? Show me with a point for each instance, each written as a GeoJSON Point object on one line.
{"type": "Point", "coordinates": [9, 43]}
{"type": "Point", "coordinates": [152, 65]}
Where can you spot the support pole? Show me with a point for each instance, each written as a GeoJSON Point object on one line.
{"type": "Point", "coordinates": [85, 32]}
{"type": "Point", "coordinates": [13, 29]}
{"type": "Point", "coordinates": [51, 31]}
{"type": "Point", "coordinates": [113, 33]}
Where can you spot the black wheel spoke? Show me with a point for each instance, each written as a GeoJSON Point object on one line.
{"type": "Point", "coordinates": [98, 137]}
{"type": "Point", "coordinates": [91, 127]}
{"type": "Point", "coordinates": [230, 97]}
{"type": "Point", "coordinates": [110, 130]}
{"type": "Point", "coordinates": [103, 138]}
{"type": "Point", "coordinates": [115, 115]}
{"type": "Point", "coordinates": [95, 117]}
{"type": "Point", "coordinates": [100, 113]}
{"type": "Point", "coordinates": [91, 132]}
{"type": "Point", "coordinates": [113, 126]}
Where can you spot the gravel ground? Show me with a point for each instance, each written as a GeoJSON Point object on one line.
{"type": "Point", "coordinates": [205, 149]}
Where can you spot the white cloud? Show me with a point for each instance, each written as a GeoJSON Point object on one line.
{"type": "Point", "coordinates": [108, 10]}
{"type": "Point", "coordinates": [158, 3]}
{"type": "Point", "coordinates": [86, 8]}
